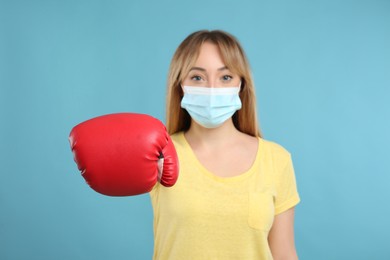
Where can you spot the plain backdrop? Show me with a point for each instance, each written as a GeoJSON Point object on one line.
{"type": "Point", "coordinates": [322, 74]}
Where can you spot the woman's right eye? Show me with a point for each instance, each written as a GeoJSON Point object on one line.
{"type": "Point", "coordinates": [196, 78]}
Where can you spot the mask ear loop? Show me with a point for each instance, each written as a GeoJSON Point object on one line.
{"type": "Point", "coordinates": [241, 86]}
{"type": "Point", "coordinates": [181, 90]}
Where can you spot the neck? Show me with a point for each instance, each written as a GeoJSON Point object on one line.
{"type": "Point", "coordinates": [211, 136]}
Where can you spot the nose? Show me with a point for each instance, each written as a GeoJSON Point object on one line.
{"type": "Point", "coordinates": [213, 83]}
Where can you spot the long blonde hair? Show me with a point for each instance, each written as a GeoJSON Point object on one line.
{"type": "Point", "coordinates": [178, 119]}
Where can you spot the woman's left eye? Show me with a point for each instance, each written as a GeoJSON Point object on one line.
{"type": "Point", "coordinates": [227, 77]}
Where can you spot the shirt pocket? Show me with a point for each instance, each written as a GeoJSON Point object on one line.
{"type": "Point", "coordinates": [261, 211]}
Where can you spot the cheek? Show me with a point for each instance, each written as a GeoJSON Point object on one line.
{"type": "Point", "coordinates": [185, 81]}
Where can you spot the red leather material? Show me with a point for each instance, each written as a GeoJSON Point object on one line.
{"type": "Point", "coordinates": [117, 154]}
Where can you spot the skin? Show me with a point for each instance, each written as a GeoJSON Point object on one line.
{"type": "Point", "coordinates": [213, 146]}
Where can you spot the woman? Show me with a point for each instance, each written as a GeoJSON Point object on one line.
{"type": "Point", "coordinates": [236, 192]}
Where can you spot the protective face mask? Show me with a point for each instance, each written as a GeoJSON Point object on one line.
{"type": "Point", "coordinates": [210, 107]}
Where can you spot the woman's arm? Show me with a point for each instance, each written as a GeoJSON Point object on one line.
{"type": "Point", "coordinates": [281, 236]}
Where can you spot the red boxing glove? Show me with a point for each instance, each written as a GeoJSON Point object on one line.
{"type": "Point", "coordinates": [118, 154]}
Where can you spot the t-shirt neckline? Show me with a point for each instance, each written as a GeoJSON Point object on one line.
{"type": "Point", "coordinates": [215, 177]}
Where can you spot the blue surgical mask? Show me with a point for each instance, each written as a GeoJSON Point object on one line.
{"type": "Point", "coordinates": [211, 107]}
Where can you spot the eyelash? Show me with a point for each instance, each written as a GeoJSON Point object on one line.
{"type": "Point", "coordinates": [197, 77]}
{"type": "Point", "coordinates": [224, 77]}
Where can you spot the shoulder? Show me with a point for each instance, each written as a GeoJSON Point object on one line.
{"type": "Point", "coordinates": [279, 161]}
{"type": "Point", "coordinates": [178, 139]}
{"type": "Point", "coordinates": [274, 150]}
{"type": "Point", "coordinates": [176, 136]}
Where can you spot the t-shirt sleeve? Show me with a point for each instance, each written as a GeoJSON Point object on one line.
{"type": "Point", "coordinates": [286, 188]}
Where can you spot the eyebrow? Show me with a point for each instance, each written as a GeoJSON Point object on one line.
{"type": "Point", "coordinates": [202, 69]}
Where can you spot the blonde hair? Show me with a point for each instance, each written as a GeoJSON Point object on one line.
{"type": "Point", "coordinates": [178, 119]}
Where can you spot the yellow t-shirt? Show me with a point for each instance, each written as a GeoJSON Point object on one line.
{"type": "Point", "coordinates": [204, 216]}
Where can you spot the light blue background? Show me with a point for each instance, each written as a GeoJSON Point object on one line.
{"type": "Point", "coordinates": [322, 73]}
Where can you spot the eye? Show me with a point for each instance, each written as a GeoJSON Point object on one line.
{"type": "Point", "coordinates": [196, 78]}
{"type": "Point", "coordinates": [227, 78]}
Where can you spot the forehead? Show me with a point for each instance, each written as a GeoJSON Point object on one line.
{"type": "Point", "coordinates": [209, 56]}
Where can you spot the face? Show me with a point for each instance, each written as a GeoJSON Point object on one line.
{"type": "Point", "coordinates": [210, 71]}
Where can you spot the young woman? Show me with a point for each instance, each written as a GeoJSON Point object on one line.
{"type": "Point", "coordinates": [236, 192]}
